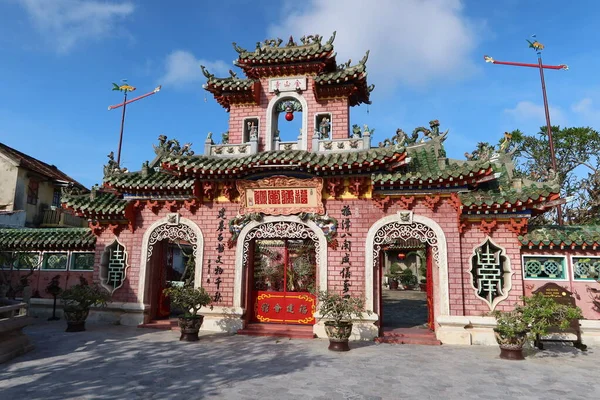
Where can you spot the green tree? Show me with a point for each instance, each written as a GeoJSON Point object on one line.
{"type": "Point", "coordinates": [578, 168]}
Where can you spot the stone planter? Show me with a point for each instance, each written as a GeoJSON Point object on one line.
{"type": "Point", "coordinates": [338, 335]}
{"type": "Point", "coordinates": [511, 348]}
{"type": "Point", "coordinates": [190, 326]}
{"type": "Point", "coordinates": [75, 319]}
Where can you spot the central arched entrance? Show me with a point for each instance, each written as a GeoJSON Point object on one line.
{"type": "Point", "coordinates": [278, 262]}
{"type": "Point", "coordinates": [417, 234]}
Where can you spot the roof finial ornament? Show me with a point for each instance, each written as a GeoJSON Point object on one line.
{"type": "Point", "coordinates": [206, 73]}
{"type": "Point", "coordinates": [233, 74]}
{"type": "Point", "coordinates": [291, 42]}
{"type": "Point", "coordinates": [331, 39]}
{"type": "Point", "coordinates": [238, 48]}
{"type": "Point", "coordinates": [365, 58]}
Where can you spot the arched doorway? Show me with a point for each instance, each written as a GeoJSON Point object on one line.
{"type": "Point", "coordinates": [289, 239]}
{"type": "Point", "coordinates": [397, 230]}
{"type": "Point", "coordinates": [172, 247]}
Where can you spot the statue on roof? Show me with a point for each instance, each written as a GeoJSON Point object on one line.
{"type": "Point", "coordinates": [206, 73]}
{"type": "Point", "coordinates": [324, 128]}
{"type": "Point", "coordinates": [112, 167]}
{"type": "Point", "coordinates": [172, 147]}
{"type": "Point", "coordinates": [311, 39]}
{"type": "Point", "coordinates": [291, 42]}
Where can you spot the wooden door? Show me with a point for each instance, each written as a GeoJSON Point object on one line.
{"type": "Point", "coordinates": [430, 301]}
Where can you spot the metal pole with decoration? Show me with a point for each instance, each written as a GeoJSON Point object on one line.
{"type": "Point", "coordinates": [125, 88]}
{"type": "Point", "coordinates": [538, 47]}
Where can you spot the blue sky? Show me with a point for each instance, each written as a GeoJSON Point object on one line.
{"type": "Point", "coordinates": [59, 58]}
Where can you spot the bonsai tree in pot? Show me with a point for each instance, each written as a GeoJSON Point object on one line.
{"type": "Point", "coordinates": [191, 300]}
{"type": "Point", "coordinates": [533, 318]}
{"type": "Point", "coordinates": [338, 311]}
{"type": "Point", "coordinates": [393, 275]}
{"type": "Point", "coordinates": [408, 279]}
{"type": "Point", "coordinates": [77, 301]}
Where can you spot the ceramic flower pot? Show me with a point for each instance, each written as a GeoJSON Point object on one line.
{"type": "Point", "coordinates": [338, 335]}
{"type": "Point", "coordinates": [189, 327]}
{"type": "Point", "coordinates": [511, 348]}
{"type": "Point", "coordinates": [76, 318]}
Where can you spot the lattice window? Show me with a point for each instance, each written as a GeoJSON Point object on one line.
{"type": "Point", "coordinates": [490, 273]}
{"type": "Point", "coordinates": [19, 260]}
{"type": "Point", "coordinates": [82, 262]}
{"type": "Point", "coordinates": [586, 268]}
{"type": "Point", "coordinates": [55, 261]}
{"type": "Point", "coordinates": [543, 267]}
{"type": "Point", "coordinates": [113, 266]}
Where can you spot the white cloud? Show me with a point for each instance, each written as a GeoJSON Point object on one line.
{"type": "Point", "coordinates": [182, 68]}
{"type": "Point", "coordinates": [67, 23]}
{"type": "Point", "coordinates": [528, 112]}
{"type": "Point", "coordinates": [412, 42]}
{"type": "Point", "coordinates": [586, 113]}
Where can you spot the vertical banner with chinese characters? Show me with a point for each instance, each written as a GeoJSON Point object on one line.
{"type": "Point", "coordinates": [346, 248]}
{"type": "Point", "coordinates": [218, 270]}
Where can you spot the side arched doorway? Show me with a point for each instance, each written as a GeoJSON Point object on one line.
{"type": "Point", "coordinates": [416, 234]}
{"type": "Point", "coordinates": [278, 261]}
{"type": "Point", "coordinates": [172, 251]}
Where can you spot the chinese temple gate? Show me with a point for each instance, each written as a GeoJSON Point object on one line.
{"type": "Point", "coordinates": [261, 221]}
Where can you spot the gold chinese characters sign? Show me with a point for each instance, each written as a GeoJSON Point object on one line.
{"type": "Point", "coordinates": [281, 196]}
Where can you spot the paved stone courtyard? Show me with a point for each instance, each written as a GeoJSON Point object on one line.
{"type": "Point", "coordinates": [404, 308]}
{"type": "Point", "coordinates": [117, 362]}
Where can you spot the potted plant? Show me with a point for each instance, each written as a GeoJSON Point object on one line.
{"type": "Point", "coordinates": [191, 300]}
{"type": "Point", "coordinates": [533, 318]}
{"type": "Point", "coordinates": [77, 301]}
{"type": "Point", "coordinates": [408, 279]}
{"type": "Point", "coordinates": [393, 275]}
{"type": "Point", "coordinates": [423, 284]}
{"type": "Point", "coordinates": [338, 311]}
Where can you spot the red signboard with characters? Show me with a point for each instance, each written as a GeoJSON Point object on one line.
{"type": "Point", "coordinates": [285, 308]}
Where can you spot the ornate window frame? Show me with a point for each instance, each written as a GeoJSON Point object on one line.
{"type": "Point", "coordinates": [574, 258]}
{"type": "Point", "coordinates": [529, 257]}
{"type": "Point", "coordinates": [105, 261]}
{"type": "Point", "coordinates": [507, 274]}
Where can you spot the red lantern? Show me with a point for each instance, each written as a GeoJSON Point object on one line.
{"type": "Point", "coordinates": [401, 256]}
{"type": "Point", "coordinates": [289, 116]}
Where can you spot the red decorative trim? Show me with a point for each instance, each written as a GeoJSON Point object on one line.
{"type": "Point", "coordinates": [154, 206]}
{"type": "Point", "coordinates": [455, 202]}
{"type": "Point", "coordinates": [462, 225]}
{"type": "Point", "coordinates": [518, 226]}
{"type": "Point", "coordinates": [96, 228]}
{"type": "Point", "coordinates": [432, 201]}
{"type": "Point", "coordinates": [487, 227]}
{"type": "Point", "coordinates": [192, 205]}
{"type": "Point", "coordinates": [115, 228]}
{"type": "Point", "coordinates": [229, 190]}
{"type": "Point", "coordinates": [333, 244]}
{"type": "Point", "coordinates": [131, 215]}
{"type": "Point", "coordinates": [139, 204]}
{"type": "Point", "coordinates": [208, 190]}
{"type": "Point", "coordinates": [197, 189]}
{"type": "Point", "coordinates": [382, 202]}
{"type": "Point", "coordinates": [335, 187]}
{"type": "Point", "coordinates": [172, 205]}
{"type": "Point", "coordinates": [407, 202]}
{"type": "Point", "coordinates": [356, 186]}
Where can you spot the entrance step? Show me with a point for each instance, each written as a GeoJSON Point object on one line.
{"type": "Point", "coordinates": [278, 330]}
{"type": "Point", "coordinates": [409, 336]}
{"type": "Point", "coordinates": [164, 324]}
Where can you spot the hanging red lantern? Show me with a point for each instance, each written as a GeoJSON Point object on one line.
{"type": "Point", "coordinates": [289, 116]}
{"type": "Point", "coordinates": [401, 256]}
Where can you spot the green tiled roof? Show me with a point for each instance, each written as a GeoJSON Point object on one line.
{"type": "Point", "coordinates": [568, 235]}
{"type": "Point", "coordinates": [312, 162]}
{"type": "Point", "coordinates": [272, 53]}
{"type": "Point", "coordinates": [47, 239]}
{"type": "Point", "coordinates": [136, 181]}
{"type": "Point", "coordinates": [104, 203]}
{"type": "Point", "coordinates": [341, 76]}
{"type": "Point", "coordinates": [231, 84]}
{"type": "Point", "coordinates": [424, 166]}
{"type": "Point", "coordinates": [512, 196]}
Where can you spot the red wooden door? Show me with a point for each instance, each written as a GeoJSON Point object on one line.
{"type": "Point", "coordinates": [430, 311]}
{"type": "Point", "coordinates": [281, 283]}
